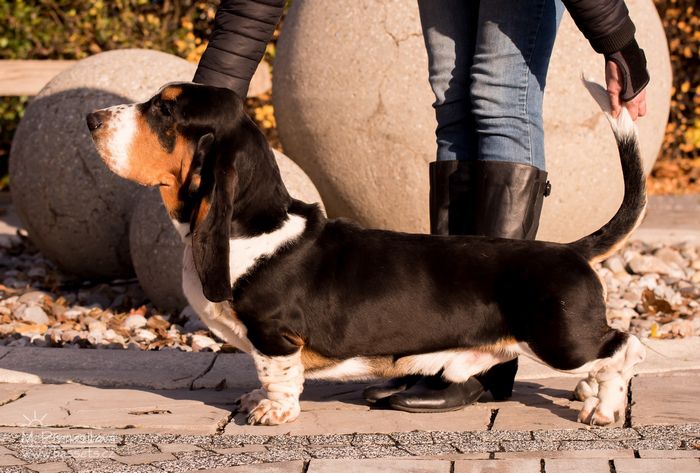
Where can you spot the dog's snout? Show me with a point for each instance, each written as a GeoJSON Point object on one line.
{"type": "Point", "coordinates": [94, 120]}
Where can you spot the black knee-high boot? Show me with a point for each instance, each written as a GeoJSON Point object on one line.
{"type": "Point", "coordinates": [471, 198]}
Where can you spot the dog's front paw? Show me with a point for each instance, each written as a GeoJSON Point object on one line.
{"type": "Point", "coordinates": [269, 412]}
{"type": "Point", "coordinates": [596, 412]}
{"type": "Point", "coordinates": [249, 401]}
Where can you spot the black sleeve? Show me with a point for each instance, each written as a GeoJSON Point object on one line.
{"type": "Point", "coordinates": [605, 23]}
{"type": "Point", "coordinates": [242, 29]}
{"type": "Point", "coordinates": [608, 27]}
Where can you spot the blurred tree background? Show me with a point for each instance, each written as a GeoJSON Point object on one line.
{"type": "Point", "coordinates": [74, 29]}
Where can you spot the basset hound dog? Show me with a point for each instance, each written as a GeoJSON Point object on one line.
{"type": "Point", "coordinates": [311, 297]}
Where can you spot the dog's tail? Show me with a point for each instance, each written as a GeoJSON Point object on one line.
{"type": "Point", "coordinates": [602, 243]}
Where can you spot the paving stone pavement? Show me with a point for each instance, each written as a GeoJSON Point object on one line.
{"type": "Point", "coordinates": [152, 422]}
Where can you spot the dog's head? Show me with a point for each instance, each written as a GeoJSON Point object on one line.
{"type": "Point", "coordinates": [213, 165]}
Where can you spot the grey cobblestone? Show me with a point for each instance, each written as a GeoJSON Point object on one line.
{"type": "Point", "coordinates": [653, 444]}
{"type": "Point", "coordinates": [688, 430]}
{"type": "Point", "coordinates": [616, 433]}
{"type": "Point", "coordinates": [569, 434]}
{"type": "Point", "coordinates": [279, 455]}
{"type": "Point", "coordinates": [45, 437]}
{"type": "Point", "coordinates": [380, 451]}
{"type": "Point", "coordinates": [134, 449]}
{"type": "Point", "coordinates": [592, 445]}
{"type": "Point", "coordinates": [429, 450]}
{"type": "Point", "coordinates": [476, 446]}
{"type": "Point", "coordinates": [203, 462]}
{"type": "Point", "coordinates": [501, 435]}
{"type": "Point", "coordinates": [335, 452]}
{"type": "Point", "coordinates": [158, 438]}
{"type": "Point", "coordinates": [238, 440]}
{"type": "Point", "coordinates": [532, 445]}
{"type": "Point", "coordinates": [39, 454]}
{"type": "Point", "coordinates": [330, 440]}
{"type": "Point", "coordinates": [9, 437]}
{"type": "Point", "coordinates": [452, 437]}
{"type": "Point", "coordinates": [413, 438]}
{"type": "Point", "coordinates": [287, 441]}
{"type": "Point", "coordinates": [372, 439]}
{"type": "Point", "coordinates": [194, 454]}
{"type": "Point", "coordinates": [14, 469]}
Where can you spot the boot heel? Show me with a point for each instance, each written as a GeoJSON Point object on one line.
{"type": "Point", "coordinates": [499, 380]}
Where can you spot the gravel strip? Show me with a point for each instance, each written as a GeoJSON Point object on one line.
{"type": "Point", "coordinates": [272, 449]}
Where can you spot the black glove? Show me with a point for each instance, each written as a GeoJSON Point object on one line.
{"type": "Point", "coordinates": [632, 64]}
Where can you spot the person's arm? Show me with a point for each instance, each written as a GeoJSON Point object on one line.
{"type": "Point", "coordinates": [607, 26]}
{"type": "Point", "coordinates": [242, 29]}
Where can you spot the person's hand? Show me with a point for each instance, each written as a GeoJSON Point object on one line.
{"type": "Point", "coordinates": [637, 107]}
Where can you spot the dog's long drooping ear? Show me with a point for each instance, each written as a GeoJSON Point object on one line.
{"type": "Point", "coordinates": [212, 221]}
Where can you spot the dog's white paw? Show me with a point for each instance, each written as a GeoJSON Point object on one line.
{"type": "Point", "coordinates": [597, 412]}
{"type": "Point", "coordinates": [269, 412]}
{"type": "Point", "coordinates": [602, 416]}
{"type": "Point", "coordinates": [247, 402]}
{"type": "Point", "coordinates": [589, 406]}
{"type": "Point", "coordinates": [586, 388]}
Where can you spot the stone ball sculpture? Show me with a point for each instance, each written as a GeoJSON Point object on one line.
{"type": "Point", "coordinates": [75, 210]}
{"type": "Point", "coordinates": [353, 107]}
{"type": "Point", "coordinates": [156, 247]}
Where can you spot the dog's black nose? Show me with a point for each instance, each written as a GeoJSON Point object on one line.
{"type": "Point", "coordinates": [93, 121]}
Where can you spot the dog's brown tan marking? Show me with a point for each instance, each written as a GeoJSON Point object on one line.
{"type": "Point", "coordinates": [313, 360]}
{"type": "Point", "coordinates": [134, 150]}
{"type": "Point", "coordinates": [171, 92]}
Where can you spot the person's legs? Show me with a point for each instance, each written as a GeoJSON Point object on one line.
{"type": "Point", "coordinates": [498, 187]}
{"type": "Point", "coordinates": [508, 73]}
{"type": "Point", "coordinates": [449, 31]}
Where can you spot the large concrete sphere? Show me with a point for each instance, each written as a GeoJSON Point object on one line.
{"type": "Point", "coordinates": [353, 108]}
{"type": "Point", "coordinates": [76, 211]}
{"type": "Point", "coordinates": [156, 248]}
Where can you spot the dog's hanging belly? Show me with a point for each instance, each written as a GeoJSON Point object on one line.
{"type": "Point", "coordinates": [456, 365]}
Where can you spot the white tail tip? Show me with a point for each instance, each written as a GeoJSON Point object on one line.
{"type": "Point", "coordinates": [623, 125]}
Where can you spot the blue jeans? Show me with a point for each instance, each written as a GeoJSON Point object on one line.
{"type": "Point", "coordinates": [488, 64]}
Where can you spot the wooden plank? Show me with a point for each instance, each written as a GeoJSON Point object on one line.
{"type": "Point", "coordinates": [20, 77]}
{"type": "Point", "coordinates": [28, 77]}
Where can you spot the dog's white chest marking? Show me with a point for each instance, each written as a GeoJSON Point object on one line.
{"type": "Point", "coordinates": [218, 316]}
{"type": "Point", "coordinates": [243, 254]}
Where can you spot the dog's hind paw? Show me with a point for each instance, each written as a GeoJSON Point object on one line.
{"type": "Point", "coordinates": [595, 412]}
{"type": "Point", "coordinates": [249, 401]}
{"type": "Point", "coordinates": [269, 412]}
{"type": "Point", "coordinates": [602, 419]}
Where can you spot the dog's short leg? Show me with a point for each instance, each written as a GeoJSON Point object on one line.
{"type": "Point", "coordinates": [612, 378]}
{"type": "Point", "coordinates": [282, 378]}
